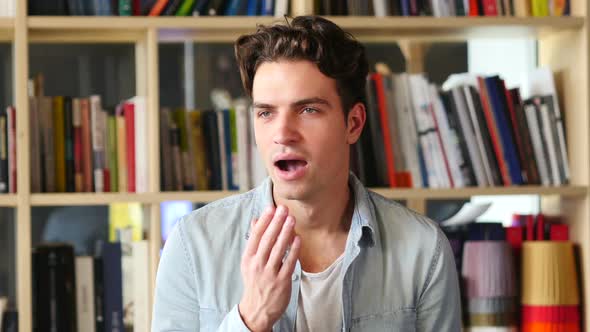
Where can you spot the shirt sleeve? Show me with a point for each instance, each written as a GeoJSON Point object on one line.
{"type": "Point", "coordinates": [176, 306]}
{"type": "Point", "coordinates": [439, 308]}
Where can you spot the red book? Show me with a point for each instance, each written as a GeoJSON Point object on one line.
{"type": "Point", "coordinates": [559, 232]}
{"type": "Point", "coordinates": [498, 150]}
{"type": "Point", "coordinates": [87, 173]}
{"type": "Point", "coordinates": [514, 237]}
{"type": "Point", "coordinates": [473, 8]}
{"type": "Point", "coordinates": [490, 8]}
{"type": "Point", "coordinates": [129, 111]}
{"type": "Point", "coordinates": [136, 7]}
{"type": "Point", "coordinates": [382, 106]}
{"type": "Point", "coordinates": [158, 8]}
{"type": "Point", "coordinates": [106, 180]}
{"type": "Point", "coordinates": [515, 129]}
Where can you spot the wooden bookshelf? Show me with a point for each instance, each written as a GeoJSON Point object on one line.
{"type": "Point", "coordinates": [54, 199]}
{"type": "Point", "coordinates": [563, 46]}
{"type": "Point", "coordinates": [224, 29]}
{"type": "Point", "coordinates": [8, 200]}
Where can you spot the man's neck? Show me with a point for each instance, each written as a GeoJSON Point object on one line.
{"type": "Point", "coordinates": [323, 224]}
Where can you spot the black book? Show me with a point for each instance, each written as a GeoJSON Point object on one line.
{"type": "Point", "coordinates": [54, 288]}
{"type": "Point", "coordinates": [3, 151]}
{"type": "Point", "coordinates": [69, 148]}
{"type": "Point", "coordinates": [455, 125]}
{"type": "Point", "coordinates": [211, 134]}
{"type": "Point", "coordinates": [486, 138]}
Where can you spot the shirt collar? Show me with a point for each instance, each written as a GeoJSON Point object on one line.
{"type": "Point", "coordinates": [363, 223]}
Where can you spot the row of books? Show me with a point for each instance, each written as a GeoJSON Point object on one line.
{"type": "Point", "coordinates": [8, 167]}
{"type": "Point", "coordinates": [208, 149]}
{"type": "Point", "coordinates": [473, 132]}
{"type": "Point", "coordinates": [159, 7]}
{"type": "Point", "coordinates": [79, 146]}
{"type": "Point", "coordinates": [443, 8]}
{"type": "Point", "coordinates": [106, 292]}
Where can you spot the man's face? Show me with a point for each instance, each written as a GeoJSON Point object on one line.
{"type": "Point", "coordinates": [300, 128]}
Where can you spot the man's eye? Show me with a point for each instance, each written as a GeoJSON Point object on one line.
{"type": "Point", "coordinates": [263, 114]}
{"type": "Point", "coordinates": [309, 110]}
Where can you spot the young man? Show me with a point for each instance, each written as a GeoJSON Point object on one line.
{"type": "Point", "coordinates": [310, 249]}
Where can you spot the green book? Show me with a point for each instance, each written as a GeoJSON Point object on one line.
{"type": "Point", "coordinates": [125, 8]}
{"type": "Point", "coordinates": [112, 150]}
{"type": "Point", "coordinates": [186, 8]}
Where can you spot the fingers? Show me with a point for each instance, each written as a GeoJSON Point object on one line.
{"type": "Point", "coordinates": [270, 235]}
{"type": "Point", "coordinates": [289, 263]}
{"type": "Point", "coordinates": [257, 229]}
{"type": "Point", "coordinates": [283, 241]}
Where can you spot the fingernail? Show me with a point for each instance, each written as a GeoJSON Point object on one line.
{"type": "Point", "coordinates": [268, 210]}
{"type": "Point", "coordinates": [281, 210]}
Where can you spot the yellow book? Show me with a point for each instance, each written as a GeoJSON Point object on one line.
{"type": "Point", "coordinates": [59, 143]}
{"type": "Point", "coordinates": [125, 222]}
{"type": "Point", "coordinates": [121, 153]}
{"type": "Point", "coordinates": [540, 8]}
{"type": "Point", "coordinates": [198, 147]}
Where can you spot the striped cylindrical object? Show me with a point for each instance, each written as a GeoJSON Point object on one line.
{"type": "Point", "coordinates": [550, 290]}
{"type": "Point", "coordinates": [490, 285]}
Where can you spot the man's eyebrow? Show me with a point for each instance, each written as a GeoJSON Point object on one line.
{"type": "Point", "coordinates": [306, 101]}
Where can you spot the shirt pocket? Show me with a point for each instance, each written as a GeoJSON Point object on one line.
{"type": "Point", "coordinates": [210, 319]}
{"type": "Point", "coordinates": [402, 320]}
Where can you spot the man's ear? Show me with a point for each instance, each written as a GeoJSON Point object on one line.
{"type": "Point", "coordinates": [355, 122]}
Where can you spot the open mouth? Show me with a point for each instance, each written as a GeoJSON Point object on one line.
{"type": "Point", "coordinates": [290, 165]}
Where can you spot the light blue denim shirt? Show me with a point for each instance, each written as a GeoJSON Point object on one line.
{"type": "Point", "coordinates": [399, 271]}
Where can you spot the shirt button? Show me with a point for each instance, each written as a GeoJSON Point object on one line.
{"type": "Point", "coordinates": [294, 277]}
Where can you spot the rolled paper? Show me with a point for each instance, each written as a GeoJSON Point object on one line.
{"type": "Point", "coordinates": [550, 327]}
{"type": "Point", "coordinates": [488, 269]}
{"type": "Point", "coordinates": [550, 314]}
{"type": "Point", "coordinates": [549, 274]}
{"type": "Point", "coordinates": [492, 305]}
{"type": "Point", "coordinates": [503, 319]}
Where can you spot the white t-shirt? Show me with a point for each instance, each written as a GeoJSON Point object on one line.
{"type": "Point", "coordinates": [320, 300]}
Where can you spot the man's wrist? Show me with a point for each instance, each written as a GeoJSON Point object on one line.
{"type": "Point", "coordinates": [254, 322]}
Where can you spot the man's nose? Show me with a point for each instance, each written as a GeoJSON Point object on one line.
{"type": "Point", "coordinates": [286, 130]}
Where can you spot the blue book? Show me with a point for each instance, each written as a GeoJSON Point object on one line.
{"type": "Point", "coordinates": [405, 7]}
{"type": "Point", "coordinates": [235, 7]}
{"type": "Point", "coordinates": [267, 8]}
{"type": "Point", "coordinates": [253, 6]}
{"type": "Point", "coordinates": [503, 125]}
{"type": "Point", "coordinates": [113, 287]}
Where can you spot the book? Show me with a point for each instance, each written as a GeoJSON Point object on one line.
{"type": "Point", "coordinates": [85, 293]}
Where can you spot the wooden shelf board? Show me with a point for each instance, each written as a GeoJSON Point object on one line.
{"type": "Point", "coordinates": [568, 191]}
{"type": "Point", "coordinates": [209, 196]}
{"type": "Point", "coordinates": [101, 29]}
{"type": "Point", "coordinates": [8, 200]}
{"type": "Point", "coordinates": [89, 198]}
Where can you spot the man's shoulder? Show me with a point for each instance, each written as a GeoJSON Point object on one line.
{"type": "Point", "coordinates": [403, 224]}
{"type": "Point", "coordinates": [222, 215]}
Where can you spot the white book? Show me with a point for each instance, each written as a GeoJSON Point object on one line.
{"type": "Point", "coordinates": [222, 154]}
{"type": "Point", "coordinates": [407, 125]}
{"type": "Point", "coordinates": [450, 142]}
{"type": "Point", "coordinates": [469, 136]}
{"type": "Point", "coordinates": [85, 293]}
{"type": "Point", "coordinates": [242, 109]}
{"type": "Point", "coordinates": [381, 8]}
{"type": "Point", "coordinates": [281, 7]}
{"type": "Point", "coordinates": [3, 307]}
{"type": "Point", "coordinates": [141, 147]}
{"type": "Point", "coordinates": [551, 149]}
{"type": "Point", "coordinates": [98, 142]}
{"type": "Point", "coordinates": [141, 286]}
{"type": "Point", "coordinates": [535, 132]}
{"type": "Point", "coordinates": [541, 82]}
{"type": "Point", "coordinates": [257, 167]}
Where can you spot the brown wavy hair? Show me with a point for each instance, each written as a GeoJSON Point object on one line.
{"type": "Point", "coordinates": [336, 52]}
